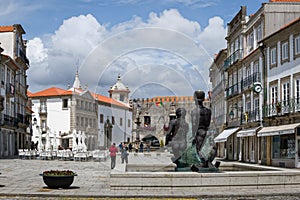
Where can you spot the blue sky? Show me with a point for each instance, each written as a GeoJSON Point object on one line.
{"type": "Point", "coordinates": [102, 38]}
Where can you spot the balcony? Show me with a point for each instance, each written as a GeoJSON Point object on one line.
{"type": "Point", "coordinates": [251, 116]}
{"type": "Point", "coordinates": [282, 108]}
{"type": "Point", "coordinates": [43, 109]}
{"type": "Point", "coordinates": [10, 90]}
{"type": "Point", "coordinates": [237, 55]}
{"type": "Point", "coordinates": [232, 90]}
{"type": "Point", "coordinates": [248, 81]}
{"type": "Point", "coordinates": [9, 120]}
{"type": "Point", "coordinates": [21, 118]}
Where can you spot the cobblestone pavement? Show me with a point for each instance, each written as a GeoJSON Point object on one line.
{"type": "Point", "coordinates": [20, 180]}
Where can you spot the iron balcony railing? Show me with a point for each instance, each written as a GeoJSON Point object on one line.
{"type": "Point", "coordinates": [232, 90]}
{"type": "Point", "coordinates": [251, 116]}
{"type": "Point", "coordinates": [43, 109]}
{"type": "Point", "coordinates": [9, 120]}
{"type": "Point", "coordinates": [248, 81]}
{"type": "Point", "coordinates": [235, 56]}
{"type": "Point", "coordinates": [282, 108]}
{"type": "Point", "coordinates": [21, 118]}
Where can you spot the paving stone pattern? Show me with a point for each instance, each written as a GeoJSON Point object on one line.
{"type": "Point", "coordinates": [19, 179]}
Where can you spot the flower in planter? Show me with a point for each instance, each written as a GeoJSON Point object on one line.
{"type": "Point", "coordinates": [59, 173]}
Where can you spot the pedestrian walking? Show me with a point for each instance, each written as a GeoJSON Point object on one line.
{"type": "Point", "coordinates": [113, 153]}
{"type": "Point", "coordinates": [124, 154]}
{"type": "Point", "coordinates": [148, 146]}
{"type": "Point", "coordinates": [136, 147]}
{"type": "Point", "coordinates": [130, 147]}
{"type": "Point", "coordinates": [141, 147]}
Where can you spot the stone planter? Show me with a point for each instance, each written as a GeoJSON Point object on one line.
{"type": "Point", "coordinates": [57, 180]}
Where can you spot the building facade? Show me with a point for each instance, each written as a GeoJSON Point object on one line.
{"type": "Point", "coordinates": [247, 79]}
{"type": "Point", "coordinates": [280, 134]}
{"type": "Point", "coordinates": [62, 111]}
{"type": "Point", "coordinates": [151, 116]}
{"type": "Point", "coordinates": [15, 118]}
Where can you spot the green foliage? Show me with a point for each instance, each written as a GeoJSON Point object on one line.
{"type": "Point", "coordinates": [59, 173]}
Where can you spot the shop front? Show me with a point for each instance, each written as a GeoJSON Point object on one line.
{"type": "Point", "coordinates": [249, 147]}
{"type": "Point", "coordinates": [281, 145]}
{"type": "Point", "coordinates": [227, 144]}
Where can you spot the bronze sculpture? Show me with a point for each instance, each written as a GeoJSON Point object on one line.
{"type": "Point", "coordinates": [201, 150]}
{"type": "Point", "coordinates": [177, 132]}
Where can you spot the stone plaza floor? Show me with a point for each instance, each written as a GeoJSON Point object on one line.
{"type": "Point", "coordinates": [20, 179]}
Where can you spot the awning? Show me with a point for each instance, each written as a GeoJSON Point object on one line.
{"type": "Point", "coordinates": [278, 130]}
{"type": "Point", "coordinates": [222, 137]}
{"type": "Point", "coordinates": [248, 132]}
{"type": "Point", "coordinates": [67, 136]}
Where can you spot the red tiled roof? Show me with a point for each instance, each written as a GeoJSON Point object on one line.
{"type": "Point", "coordinates": [6, 28]}
{"type": "Point", "coordinates": [108, 100]}
{"type": "Point", "coordinates": [53, 91]}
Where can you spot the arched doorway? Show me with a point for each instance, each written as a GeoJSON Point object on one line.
{"type": "Point", "coordinates": [152, 140]}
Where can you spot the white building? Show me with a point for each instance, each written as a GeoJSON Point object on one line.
{"type": "Point", "coordinates": [60, 111]}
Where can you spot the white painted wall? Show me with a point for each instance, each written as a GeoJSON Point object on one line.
{"type": "Point", "coordinates": [7, 44]}
{"type": "Point", "coordinates": [58, 119]}
{"type": "Point", "coordinates": [117, 131]}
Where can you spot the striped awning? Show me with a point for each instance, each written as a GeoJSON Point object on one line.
{"type": "Point", "coordinates": [278, 130]}
{"type": "Point", "coordinates": [222, 137]}
{"type": "Point", "coordinates": [248, 132]}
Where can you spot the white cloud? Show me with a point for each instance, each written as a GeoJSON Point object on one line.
{"type": "Point", "coordinates": [213, 36]}
{"type": "Point", "coordinates": [36, 51]}
{"type": "Point", "coordinates": [167, 52]}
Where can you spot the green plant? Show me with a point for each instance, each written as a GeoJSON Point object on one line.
{"type": "Point", "coordinates": [59, 173]}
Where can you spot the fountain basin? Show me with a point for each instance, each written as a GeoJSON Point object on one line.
{"type": "Point", "coordinates": [261, 177]}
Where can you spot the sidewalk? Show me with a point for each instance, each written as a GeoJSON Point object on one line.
{"type": "Point", "coordinates": [21, 178]}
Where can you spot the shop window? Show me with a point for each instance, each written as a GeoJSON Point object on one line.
{"type": "Point", "coordinates": [283, 146]}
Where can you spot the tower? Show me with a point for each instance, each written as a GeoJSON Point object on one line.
{"type": "Point", "coordinates": [119, 91]}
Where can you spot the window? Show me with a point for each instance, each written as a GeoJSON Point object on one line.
{"type": "Point", "coordinates": [147, 121]}
{"type": "Point", "coordinates": [65, 103]}
{"type": "Point", "coordinates": [274, 93]}
{"type": "Point", "coordinates": [121, 121]}
{"type": "Point", "coordinates": [285, 93]}
{"type": "Point", "coordinates": [284, 51]}
{"type": "Point", "coordinates": [273, 56]}
{"type": "Point", "coordinates": [101, 118]}
{"type": "Point", "coordinates": [113, 120]}
{"type": "Point", "coordinates": [2, 75]}
{"type": "Point", "coordinates": [128, 123]}
{"type": "Point", "coordinates": [122, 97]}
{"type": "Point", "coordinates": [251, 41]}
{"type": "Point", "coordinates": [297, 91]}
{"type": "Point", "coordinates": [259, 33]}
{"type": "Point", "coordinates": [297, 45]}
{"type": "Point", "coordinates": [283, 146]}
